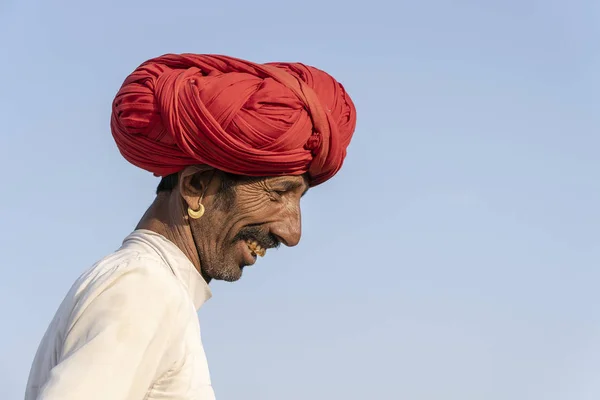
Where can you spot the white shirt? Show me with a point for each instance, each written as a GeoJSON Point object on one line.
{"type": "Point", "coordinates": [127, 330]}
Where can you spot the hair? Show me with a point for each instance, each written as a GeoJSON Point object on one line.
{"type": "Point", "coordinates": [226, 194]}
{"type": "Point", "coordinates": [167, 183]}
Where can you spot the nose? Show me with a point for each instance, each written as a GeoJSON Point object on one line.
{"type": "Point", "coordinates": [288, 228]}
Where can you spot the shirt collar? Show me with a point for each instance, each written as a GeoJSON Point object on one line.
{"type": "Point", "coordinates": [180, 265]}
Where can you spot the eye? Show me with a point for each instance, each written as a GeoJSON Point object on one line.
{"type": "Point", "coordinates": [276, 195]}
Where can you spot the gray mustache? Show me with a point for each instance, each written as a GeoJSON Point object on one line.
{"type": "Point", "coordinates": [265, 239]}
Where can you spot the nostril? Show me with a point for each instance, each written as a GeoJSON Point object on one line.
{"type": "Point", "coordinates": [286, 233]}
{"type": "Point", "coordinates": [289, 241]}
{"type": "Point", "coordinates": [279, 240]}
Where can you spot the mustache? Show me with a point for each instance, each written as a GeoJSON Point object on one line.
{"type": "Point", "coordinates": [263, 237]}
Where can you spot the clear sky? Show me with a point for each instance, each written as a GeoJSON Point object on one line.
{"type": "Point", "coordinates": [456, 256]}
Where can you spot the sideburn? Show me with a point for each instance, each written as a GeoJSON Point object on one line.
{"type": "Point", "coordinates": [225, 198]}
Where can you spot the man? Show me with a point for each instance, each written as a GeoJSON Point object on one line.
{"type": "Point", "coordinates": [237, 144]}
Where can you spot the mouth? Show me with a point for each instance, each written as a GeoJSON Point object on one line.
{"type": "Point", "coordinates": [255, 248]}
{"type": "Point", "coordinates": [254, 241]}
{"type": "Point", "coordinates": [250, 250]}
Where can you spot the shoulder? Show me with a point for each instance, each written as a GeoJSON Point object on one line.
{"type": "Point", "coordinates": [131, 270]}
{"type": "Point", "coordinates": [132, 286]}
{"type": "Point", "coordinates": [128, 311]}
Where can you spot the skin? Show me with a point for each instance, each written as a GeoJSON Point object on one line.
{"type": "Point", "coordinates": [266, 210]}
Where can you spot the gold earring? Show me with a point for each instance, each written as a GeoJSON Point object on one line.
{"type": "Point", "coordinates": [195, 214]}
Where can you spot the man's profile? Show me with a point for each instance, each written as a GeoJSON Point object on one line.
{"type": "Point", "coordinates": [236, 145]}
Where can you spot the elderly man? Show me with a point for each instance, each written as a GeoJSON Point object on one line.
{"type": "Point", "coordinates": [237, 144]}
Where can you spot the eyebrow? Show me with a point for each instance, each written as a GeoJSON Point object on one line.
{"type": "Point", "coordinates": [293, 185]}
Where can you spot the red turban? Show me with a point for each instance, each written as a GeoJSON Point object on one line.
{"type": "Point", "coordinates": [237, 116]}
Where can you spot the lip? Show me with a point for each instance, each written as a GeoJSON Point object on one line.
{"type": "Point", "coordinates": [248, 258]}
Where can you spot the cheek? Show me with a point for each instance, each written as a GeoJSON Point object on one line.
{"type": "Point", "coordinates": [220, 229]}
{"type": "Point", "coordinates": [211, 233]}
{"type": "Point", "coordinates": [251, 206]}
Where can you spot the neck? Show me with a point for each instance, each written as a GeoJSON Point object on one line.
{"type": "Point", "coordinates": [168, 217]}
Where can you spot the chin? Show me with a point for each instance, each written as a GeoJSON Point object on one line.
{"type": "Point", "coordinates": [227, 274]}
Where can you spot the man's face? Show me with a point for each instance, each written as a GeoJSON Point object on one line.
{"type": "Point", "coordinates": [244, 219]}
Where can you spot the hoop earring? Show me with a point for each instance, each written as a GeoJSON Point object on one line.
{"type": "Point", "coordinates": [195, 214]}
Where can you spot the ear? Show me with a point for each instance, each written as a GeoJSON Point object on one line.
{"type": "Point", "coordinates": [193, 183]}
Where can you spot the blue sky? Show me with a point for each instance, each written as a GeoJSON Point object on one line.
{"type": "Point", "coordinates": [456, 255]}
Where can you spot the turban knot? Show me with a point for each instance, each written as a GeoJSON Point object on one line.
{"type": "Point", "coordinates": [237, 116]}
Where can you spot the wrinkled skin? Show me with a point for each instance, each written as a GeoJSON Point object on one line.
{"type": "Point", "coordinates": [265, 210]}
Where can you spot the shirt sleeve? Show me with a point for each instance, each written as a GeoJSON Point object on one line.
{"type": "Point", "coordinates": [121, 338]}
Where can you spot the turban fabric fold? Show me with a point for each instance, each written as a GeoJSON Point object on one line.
{"type": "Point", "coordinates": [240, 117]}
